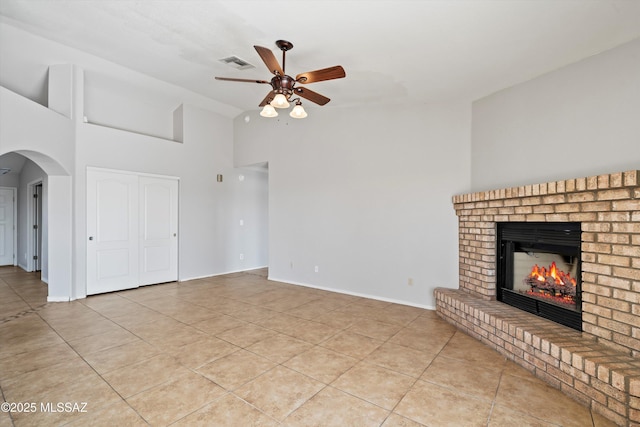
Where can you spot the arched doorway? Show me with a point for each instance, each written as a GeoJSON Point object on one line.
{"type": "Point", "coordinates": [57, 226]}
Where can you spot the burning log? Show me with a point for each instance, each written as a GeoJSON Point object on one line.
{"type": "Point", "coordinates": [551, 281]}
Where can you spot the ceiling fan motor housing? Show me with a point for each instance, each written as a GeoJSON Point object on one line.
{"type": "Point", "coordinates": [283, 84]}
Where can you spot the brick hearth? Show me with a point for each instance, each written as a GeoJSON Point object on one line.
{"type": "Point", "coordinates": [600, 366]}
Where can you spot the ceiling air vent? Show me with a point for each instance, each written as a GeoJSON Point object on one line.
{"type": "Point", "coordinates": [237, 63]}
{"type": "Point", "coordinates": [4, 171]}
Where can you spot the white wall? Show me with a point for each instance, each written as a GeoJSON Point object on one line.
{"type": "Point", "coordinates": [209, 234]}
{"type": "Point", "coordinates": [365, 195]}
{"type": "Point", "coordinates": [581, 120]}
{"type": "Point", "coordinates": [26, 125]}
{"type": "Point", "coordinates": [47, 138]}
{"type": "Point", "coordinates": [138, 112]}
{"type": "Point", "coordinates": [10, 180]}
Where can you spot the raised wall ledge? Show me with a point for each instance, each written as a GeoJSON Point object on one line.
{"type": "Point", "coordinates": [598, 182]}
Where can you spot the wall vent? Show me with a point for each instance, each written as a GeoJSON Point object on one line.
{"type": "Point", "coordinates": [4, 171]}
{"type": "Point", "coordinates": [237, 63]}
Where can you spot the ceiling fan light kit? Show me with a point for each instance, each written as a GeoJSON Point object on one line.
{"type": "Point", "coordinates": [298, 112]}
{"type": "Point", "coordinates": [280, 101]}
{"type": "Point", "coordinates": [269, 111]}
{"type": "Point", "coordinates": [284, 86]}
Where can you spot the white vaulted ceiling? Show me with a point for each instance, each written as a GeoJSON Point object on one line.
{"type": "Point", "coordinates": [395, 51]}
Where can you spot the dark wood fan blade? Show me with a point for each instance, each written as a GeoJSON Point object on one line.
{"type": "Point", "coordinates": [229, 79]}
{"type": "Point", "coordinates": [269, 59]}
{"type": "Point", "coordinates": [267, 99]}
{"type": "Point", "coordinates": [311, 95]}
{"type": "Point", "coordinates": [330, 73]}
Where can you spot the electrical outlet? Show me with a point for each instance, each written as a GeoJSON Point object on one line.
{"type": "Point", "coordinates": [316, 269]}
{"type": "Point", "coordinates": [241, 222]}
{"type": "Point", "coordinates": [291, 264]}
{"type": "Point", "coordinates": [410, 281]}
{"type": "Point", "coordinates": [241, 257]}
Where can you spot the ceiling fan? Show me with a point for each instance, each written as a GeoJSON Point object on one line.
{"type": "Point", "coordinates": [284, 87]}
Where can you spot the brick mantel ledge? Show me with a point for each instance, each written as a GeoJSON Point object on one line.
{"type": "Point", "coordinates": [599, 377]}
{"type": "Point", "coordinates": [599, 366]}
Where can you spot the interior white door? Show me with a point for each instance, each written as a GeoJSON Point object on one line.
{"type": "Point", "coordinates": [7, 226]}
{"type": "Point", "coordinates": [159, 228]}
{"type": "Point", "coordinates": [112, 231]}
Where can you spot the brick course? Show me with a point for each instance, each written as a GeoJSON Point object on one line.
{"type": "Point", "coordinates": [602, 366]}
{"type": "Point", "coordinates": [606, 205]}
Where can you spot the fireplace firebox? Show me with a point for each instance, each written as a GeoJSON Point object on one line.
{"type": "Point", "coordinates": [539, 269]}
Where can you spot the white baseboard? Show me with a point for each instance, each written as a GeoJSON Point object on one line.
{"type": "Point", "coordinates": [355, 294]}
{"type": "Point", "coordinates": [57, 299]}
{"type": "Point", "coordinates": [186, 279]}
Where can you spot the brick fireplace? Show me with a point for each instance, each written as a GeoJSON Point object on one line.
{"type": "Point", "coordinates": [599, 366]}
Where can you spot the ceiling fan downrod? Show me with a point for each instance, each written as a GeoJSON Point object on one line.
{"type": "Point", "coordinates": [284, 46]}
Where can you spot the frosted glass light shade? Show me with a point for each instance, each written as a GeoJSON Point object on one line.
{"type": "Point", "coordinates": [268, 111]}
{"type": "Point", "coordinates": [280, 101]}
{"type": "Point", "coordinates": [298, 112]}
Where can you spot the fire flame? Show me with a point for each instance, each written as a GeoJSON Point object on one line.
{"type": "Point", "coordinates": [559, 277]}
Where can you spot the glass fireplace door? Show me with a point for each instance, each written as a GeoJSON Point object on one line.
{"type": "Point", "coordinates": [539, 270]}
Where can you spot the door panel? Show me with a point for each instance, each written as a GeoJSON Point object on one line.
{"type": "Point", "coordinates": [113, 264]}
{"type": "Point", "coordinates": [112, 231]}
{"type": "Point", "coordinates": [6, 226]}
{"type": "Point", "coordinates": [159, 225]}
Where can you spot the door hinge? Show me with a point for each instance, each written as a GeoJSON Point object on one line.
{"type": "Point", "coordinates": [35, 226]}
{"type": "Point", "coordinates": [35, 195]}
{"type": "Point", "coordinates": [35, 257]}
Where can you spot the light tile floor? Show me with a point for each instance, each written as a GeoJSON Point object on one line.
{"type": "Point", "coordinates": [239, 350]}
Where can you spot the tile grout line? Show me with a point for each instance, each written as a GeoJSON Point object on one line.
{"type": "Point", "coordinates": [92, 368]}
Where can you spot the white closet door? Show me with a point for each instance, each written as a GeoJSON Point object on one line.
{"type": "Point", "coordinates": [112, 231]}
{"type": "Point", "coordinates": [159, 228]}
{"type": "Point", "coordinates": [7, 226]}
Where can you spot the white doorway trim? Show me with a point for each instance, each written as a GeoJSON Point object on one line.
{"type": "Point", "coordinates": [31, 221]}
{"type": "Point", "coordinates": [15, 217]}
{"type": "Point", "coordinates": [58, 247]}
